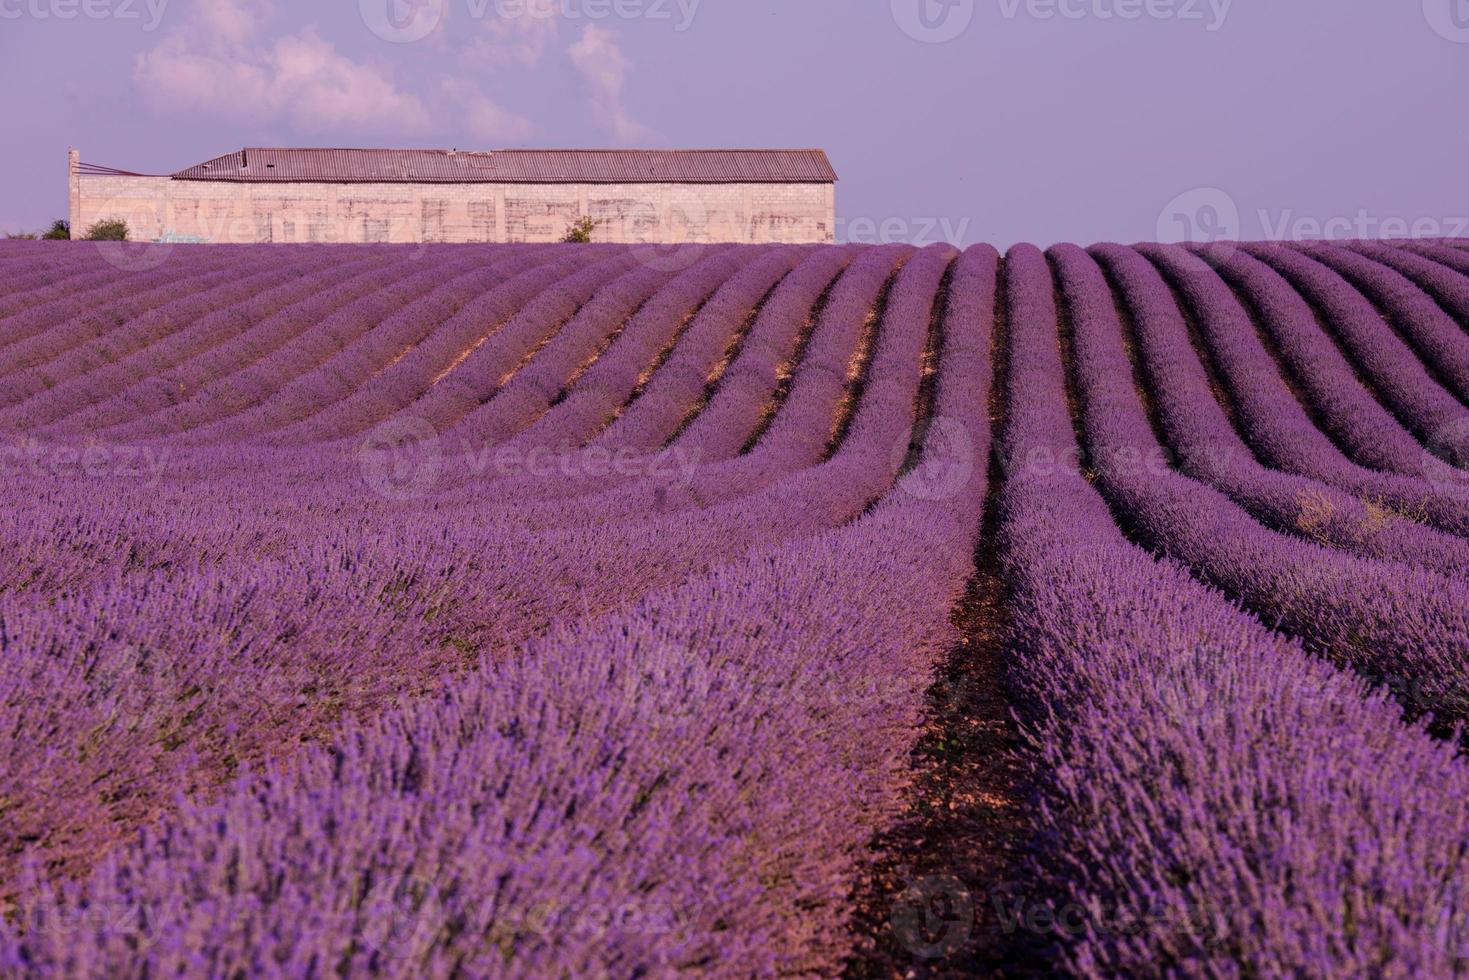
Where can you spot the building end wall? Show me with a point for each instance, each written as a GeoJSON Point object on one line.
{"type": "Point", "coordinates": [73, 191]}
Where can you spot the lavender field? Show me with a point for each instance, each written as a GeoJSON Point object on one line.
{"type": "Point", "coordinates": [597, 610]}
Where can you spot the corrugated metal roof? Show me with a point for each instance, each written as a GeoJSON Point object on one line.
{"type": "Point", "coordinates": [516, 166]}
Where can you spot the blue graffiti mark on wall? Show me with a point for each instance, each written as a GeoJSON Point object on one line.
{"type": "Point", "coordinates": [170, 236]}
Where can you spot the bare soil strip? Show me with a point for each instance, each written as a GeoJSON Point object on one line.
{"type": "Point", "coordinates": [731, 351]}
{"type": "Point", "coordinates": [785, 376]}
{"type": "Point", "coordinates": [928, 904]}
{"type": "Point", "coordinates": [860, 366]}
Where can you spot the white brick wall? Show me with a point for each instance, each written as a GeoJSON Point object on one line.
{"type": "Point", "coordinates": [157, 207]}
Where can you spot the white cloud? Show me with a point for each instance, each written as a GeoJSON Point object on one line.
{"type": "Point", "coordinates": [316, 84]}
{"type": "Point", "coordinates": [513, 36]}
{"type": "Point", "coordinates": [605, 68]}
{"type": "Point", "coordinates": [482, 117]}
{"type": "Point", "coordinates": [224, 58]}
{"type": "Point", "coordinates": [219, 60]}
{"type": "Point", "coordinates": [229, 22]}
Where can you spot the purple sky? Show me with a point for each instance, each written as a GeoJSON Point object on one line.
{"type": "Point", "coordinates": [1042, 120]}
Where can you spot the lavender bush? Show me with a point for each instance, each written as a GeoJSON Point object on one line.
{"type": "Point", "coordinates": [540, 610]}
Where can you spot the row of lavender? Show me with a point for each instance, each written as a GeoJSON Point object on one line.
{"type": "Point", "coordinates": [1216, 801]}
{"type": "Point", "coordinates": [226, 565]}
{"type": "Point", "coordinates": [760, 608]}
{"type": "Point", "coordinates": [845, 476]}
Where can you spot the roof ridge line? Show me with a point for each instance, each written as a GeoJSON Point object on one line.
{"type": "Point", "coordinates": [549, 149]}
{"type": "Point", "coordinates": [613, 165]}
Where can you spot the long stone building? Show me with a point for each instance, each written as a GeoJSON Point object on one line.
{"type": "Point", "coordinates": [351, 195]}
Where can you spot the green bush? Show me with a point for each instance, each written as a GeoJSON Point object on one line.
{"type": "Point", "coordinates": [60, 231]}
{"type": "Point", "coordinates": [16, 235]}
{"type": "Point", "coordinates": [580, 231]}
{"type": "Point", "coordinates": [108, 230]}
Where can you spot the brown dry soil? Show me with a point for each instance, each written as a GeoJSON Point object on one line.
{"type": "Point", "coordinates": [927, 906]}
